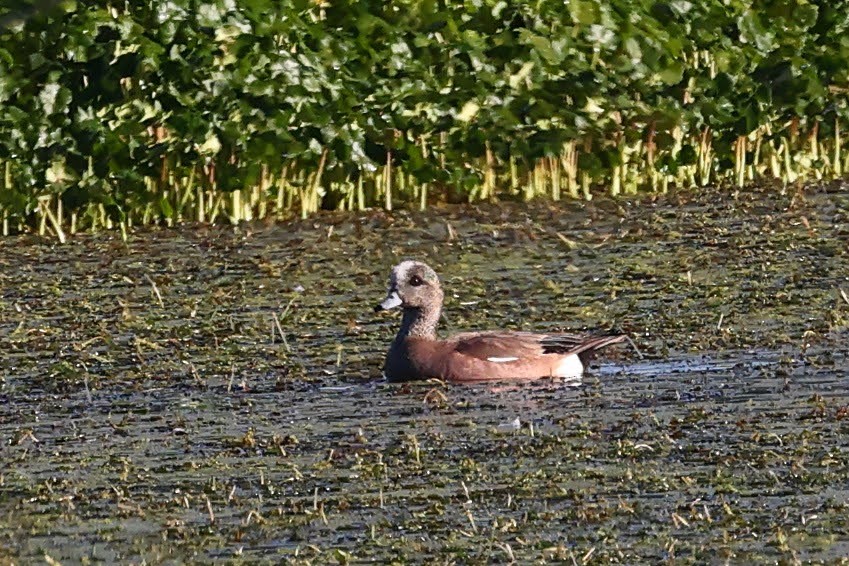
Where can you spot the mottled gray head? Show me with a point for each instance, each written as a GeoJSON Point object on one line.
{"type": "Point", "coordinates": [412, 285]}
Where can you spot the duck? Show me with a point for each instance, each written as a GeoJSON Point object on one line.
{"type": "Point", "coordinates": [417, 353]}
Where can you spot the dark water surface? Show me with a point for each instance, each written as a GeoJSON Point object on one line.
{"type": "Point", "coordinates": [135, 430]}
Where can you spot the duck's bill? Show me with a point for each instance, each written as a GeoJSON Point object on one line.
{"type": "Point", "coordinates": [391, 301]}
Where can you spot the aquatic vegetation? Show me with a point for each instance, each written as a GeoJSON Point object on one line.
{"type": "Point", "coordinates": [214, 394]}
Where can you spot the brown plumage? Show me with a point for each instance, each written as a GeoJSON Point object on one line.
{"type": "Point", "coordinates": [416, 353]}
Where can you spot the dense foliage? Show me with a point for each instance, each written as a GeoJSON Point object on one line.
{"type": "Point", "coordinates": [139, 111]}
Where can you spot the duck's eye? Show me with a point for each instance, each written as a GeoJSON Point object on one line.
{"type": "Point", "coordinates": [416, 281]}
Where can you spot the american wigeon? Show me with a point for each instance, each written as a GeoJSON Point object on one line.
{"type": "Point", "coordinates": [416, 353]}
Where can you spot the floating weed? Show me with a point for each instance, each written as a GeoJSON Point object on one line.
{"type": "Point", "coordinates": [202, 435]}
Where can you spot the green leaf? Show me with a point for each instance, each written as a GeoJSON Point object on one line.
{"type": "Point", "coordinates": [672, 74]}
{"type": "Point", "coordinates": [583, 12]}
{"type": "Point", "coordinates": [165, 208]}
{"type": "Point", "coordinates": [805, 14]}
{"type": "Point", "coordinates": [542, 46]}
{"type": "Point", "coordinates": [753, 32]}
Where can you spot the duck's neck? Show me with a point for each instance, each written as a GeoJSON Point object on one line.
{"type": "Point", "coordinates": [419, 323]}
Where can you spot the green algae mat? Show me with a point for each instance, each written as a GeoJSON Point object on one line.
{"type": "Point", "coordinates": [214, 394]}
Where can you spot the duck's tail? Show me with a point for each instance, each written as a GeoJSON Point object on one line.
{"type": "Point", "coordinates": [587, 349]}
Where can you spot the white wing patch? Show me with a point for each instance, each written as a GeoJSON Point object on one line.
{"type": "Point", "coordinates": [502, 360]}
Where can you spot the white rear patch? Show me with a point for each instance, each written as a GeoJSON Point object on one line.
{"type": "Point", "coordinates": [569, 367]}
{"type": "Point", "coordinates": [502, 360]}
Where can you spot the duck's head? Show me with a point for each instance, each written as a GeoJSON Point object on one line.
{"type": "Point", "coordinates": [412, 285]}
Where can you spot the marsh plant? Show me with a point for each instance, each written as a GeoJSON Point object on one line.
{"type": "Point", "coordinates": [127, 113]}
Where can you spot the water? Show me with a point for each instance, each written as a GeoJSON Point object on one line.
{"type": "Point", "coordinates": [190, 431]}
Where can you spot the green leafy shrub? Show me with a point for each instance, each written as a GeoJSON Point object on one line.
{"type": "Point", "coordinates": [168, 110]}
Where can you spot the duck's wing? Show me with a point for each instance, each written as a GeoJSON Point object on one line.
{"type": "Point", "coordinates": [502, 346]}
{"type": "Point", "coordinates": [499, 346]}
